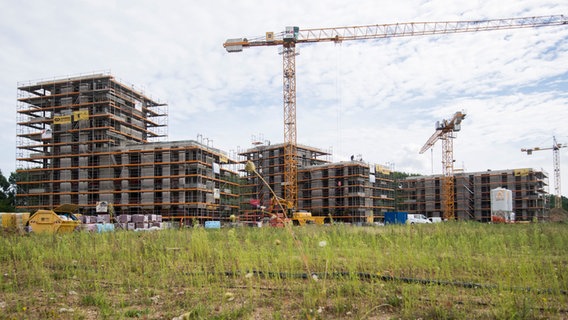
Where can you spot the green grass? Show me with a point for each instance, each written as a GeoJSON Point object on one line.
{"type": "Point", "coordinates": [408, 272]}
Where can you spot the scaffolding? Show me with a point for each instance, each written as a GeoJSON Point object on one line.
{"type": "Point", "coordinates": [473, 194]}
{"type": "Point", "coordinates": [269, 161]}
{"type": "Point", "coordinates": [66, 130]}
{"type": "Point", "coordinates": [351, 191]}
{"type": "Point", "coordinates": [89, 139]}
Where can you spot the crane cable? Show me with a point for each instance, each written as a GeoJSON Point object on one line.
{"type": "Point", "coordinates": [339, 94]}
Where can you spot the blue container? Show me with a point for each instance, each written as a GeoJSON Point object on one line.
{"type": "Point", "coordinates": [396, 217]}
{"type": "Point", "coordinates": [212, 224]}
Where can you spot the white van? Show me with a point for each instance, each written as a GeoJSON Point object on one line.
{"type": "Point", "coordinates": [435, 219]}
{"type": "Point", "coordinates": [417, 218]}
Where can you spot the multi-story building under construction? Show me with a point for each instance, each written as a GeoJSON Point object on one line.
{"type": "Point", "coordinates": [91, 139]}
{"type": "Point", "coordinates": [423, 194]}
{"type": "Point", "coordinates": [349, 191]}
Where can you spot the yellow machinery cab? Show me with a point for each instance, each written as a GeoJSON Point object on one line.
{"type": "Point", "coordinates": [303, 217]}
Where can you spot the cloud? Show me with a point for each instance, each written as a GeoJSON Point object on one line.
{"type": "Point", "coordinates": [375, 98]}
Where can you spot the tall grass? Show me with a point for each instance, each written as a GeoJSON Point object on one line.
{"type": "Point", "coordinates": [449, 270]}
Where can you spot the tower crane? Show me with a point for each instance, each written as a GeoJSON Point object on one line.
{"type": "Point", "coordinates": [293, 35]}
{"type": "Point", "coordinates": [445, 132]}
{"type": "Point", "coordinates": [556, 166]}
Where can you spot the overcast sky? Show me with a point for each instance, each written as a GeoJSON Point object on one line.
{"type": "Point", "coordinates": [379, 98]}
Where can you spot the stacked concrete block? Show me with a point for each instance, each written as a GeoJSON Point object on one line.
{"type": "Point", "coordinates": [137, 218]}
{"type": "Point", "coordinates": [141, 225]}
{"type": "Point", "coordinates": [124, 222]}
{"type": "Point", "coordinates": [124, 218]}
{"type": "Point", "coordinates": [140, 221]}
{"type": "Point", "coordinates": [103, 218]}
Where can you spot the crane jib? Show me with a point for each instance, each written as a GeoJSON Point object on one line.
{"type": "Point", "coordinates": [378, 31]}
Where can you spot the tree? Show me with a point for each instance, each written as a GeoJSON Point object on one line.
{"type": "Point", "coordinates": [551, 201]}
{"type": "Point", "coordinates": [16, 189]}
{"type": "Point", "coordinates": [7, 195]}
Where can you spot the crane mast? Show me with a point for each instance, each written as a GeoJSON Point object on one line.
{"type": "Point", "coordinates": [293, 35]}
{"type": "Point", "coordinates": [556, 167]}
{"type": "Point", "coordinates": [290, 132]}
{"type": "Point", "coordinates": [445, 132]}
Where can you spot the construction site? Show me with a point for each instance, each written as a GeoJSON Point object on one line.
{"type": "Point", "coordinates": [350, 191]}
{"type": "Point", "coordinates": [87, 140]}
{"type": "Point", "coordinates": [473, 194]}
{"type": "Point", "coordinates": [91, 139]}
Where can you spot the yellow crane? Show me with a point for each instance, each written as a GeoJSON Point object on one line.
{"type": "Point", "coordinates": [294, 35]}
{"type": "Point", "coordinates": [556, 167]}
{"type": "Point", "coordinates": [445, 132]}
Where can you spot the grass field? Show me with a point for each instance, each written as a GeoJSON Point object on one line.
{"type": "Point", "coordinates": [441, 271]}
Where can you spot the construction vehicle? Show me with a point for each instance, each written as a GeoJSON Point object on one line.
{"type": "Point", "coordinates": [417, 218]}
{"type": "Point", "coordinates": [280, 210]}
{"type": "Point", "coordinates": [301, 218]}
{"type": "Point", "coordinates": [294, 35]}
{"type": "Point", "coordinates": [59, 220]}
{"type": "Point", "coordinates": [277, 218]}
{"type": "Point", "coordinates": [445, 132]}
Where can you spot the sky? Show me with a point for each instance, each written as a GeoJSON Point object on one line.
{"type": "Point", "coordinates": [379, 99]}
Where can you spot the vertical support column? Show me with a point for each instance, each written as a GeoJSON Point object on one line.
{"type": "Point", "coordinates": [556, 159]}
{"type": "Point", "coordinates": [290, 144]}
{"type": "Point", "coordinates": [448, 182]}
